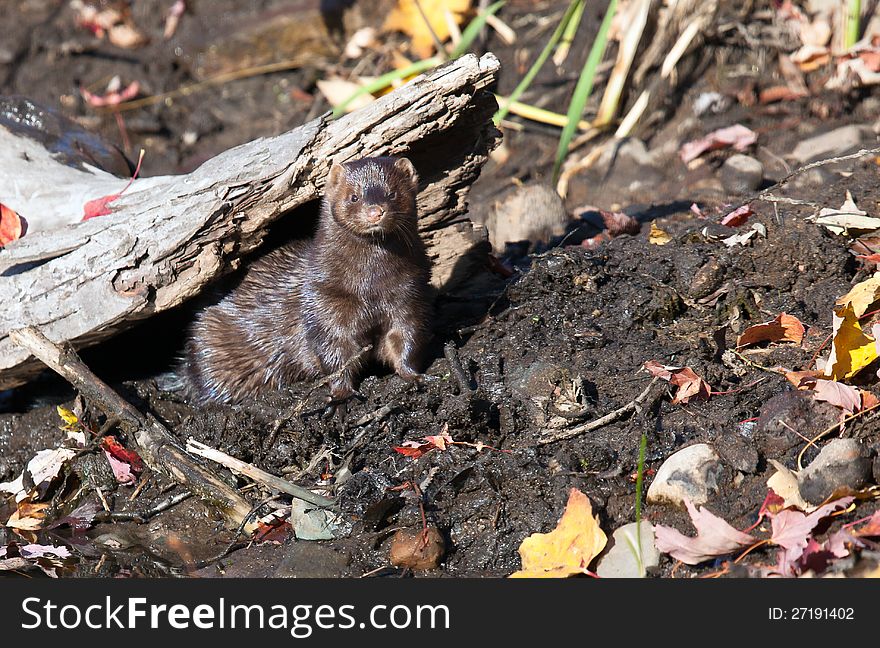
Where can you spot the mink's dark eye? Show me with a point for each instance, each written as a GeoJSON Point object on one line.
{"type": "Point", "coordinates": [354, 198]}
{"type": "Point", "coordinates": [392, 195]}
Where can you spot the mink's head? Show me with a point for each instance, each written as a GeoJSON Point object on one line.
{"type": "Point", "coordinates": [373, 196]}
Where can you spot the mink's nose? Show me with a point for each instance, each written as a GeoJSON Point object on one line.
{"type": "Point", "coordinates": [375, 213]}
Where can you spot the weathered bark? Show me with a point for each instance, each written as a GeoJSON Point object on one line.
{"type": "Point", "coordinates": [169, 236]}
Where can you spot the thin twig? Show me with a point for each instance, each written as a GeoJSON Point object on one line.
{"type": "Point", "coordinates": [437, 42]}
{"type": "Point", "coordinates": [450, 351]}
{"type": "Point", "coordinates": [829, 430]}
{"type": "Point", "coordinates": [631, 406]}
{"type": "Point", "coordinates": [767, 194]}
{"type": "Point", "coordinates": [133, 516]}
{"type": "Point", "coordinates": [267, 479]}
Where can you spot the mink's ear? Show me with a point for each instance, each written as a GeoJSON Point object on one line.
{"type": "Point", "coordinates": [337, 173]}
{"type": "Point", "coordinates": [403, 164]}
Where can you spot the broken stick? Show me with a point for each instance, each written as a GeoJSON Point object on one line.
{"type": "Point", "coordinates": [158, 448]}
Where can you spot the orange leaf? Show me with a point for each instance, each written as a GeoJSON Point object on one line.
{"type": "Point", "coordinates": [689, 384]}
{"type": "Point", "coordinates": [785, 328]}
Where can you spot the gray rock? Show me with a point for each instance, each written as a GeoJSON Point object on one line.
{"type": "Point", "coordinates": [741, 174]}
{"type": "Point", "coordinates": [840, 141]}
{"type": "Point", "coordinates": [629, 165]}
{"type": "Point", "coordinates": [622, 561]}
{"type": "Point", "coordinates": [788, 417]}
{"type": "Point", "coordinates": [842, 464]}
{"type": "Point", "coordinates": [691, 473]}
{"type": "Point", "coordinates": [530, 213]}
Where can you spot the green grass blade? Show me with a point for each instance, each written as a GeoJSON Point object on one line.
{"type": "Point", "coordinates": [386, 80]}
{"type": "Point", "coordinates": [583, 89]}
{"type": "Point", "coordinates": [473, 29]}
{"type": "Point", "coordinates": [853, 13]}
{"type": "Point", "coordinates": [640, 478]}
{"type": "Point", "coordinates": [568, 35]}
{"type": "Point", "coordinates": [533, 71]}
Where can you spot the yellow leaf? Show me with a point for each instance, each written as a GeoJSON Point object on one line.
{"type": "Point", "coordinates": [28, 516]}
{"type": "Point", "coordinates": [658, 236]}
{"type": "Point", "coordinates": [67, 416]}
{"type": "Point", "coordinates": [569, 548]}
{"type": "Point", "coordinates": [407, 18]}
{"type": "Point", "coordinates": [851, 349]}
{"type": "Point", "coordinates": [862, 295]}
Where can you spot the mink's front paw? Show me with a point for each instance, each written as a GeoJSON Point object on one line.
{"type": "Point", "coordinates": [409, 374]}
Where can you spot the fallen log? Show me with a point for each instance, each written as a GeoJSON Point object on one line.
{"type": "Point", "coordinates": [167, 237]}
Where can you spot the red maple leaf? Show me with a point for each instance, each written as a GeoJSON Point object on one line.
{"type": "Point", "coordinates": [117, 450]}
{"type": "Point", "coordinates": [99, 206]}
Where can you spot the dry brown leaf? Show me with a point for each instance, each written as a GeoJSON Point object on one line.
{"type": "Point", "coordinates": [569, 548]}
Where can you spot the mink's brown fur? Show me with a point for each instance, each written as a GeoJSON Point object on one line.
{"type": "Point", "coordinates": [309, 308]}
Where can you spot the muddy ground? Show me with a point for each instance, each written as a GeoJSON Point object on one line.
{"type": "Point", "coordinates": [571, 328]}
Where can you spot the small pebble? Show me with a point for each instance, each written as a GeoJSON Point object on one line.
{"type": "Point", "coordinates": [413, 549]}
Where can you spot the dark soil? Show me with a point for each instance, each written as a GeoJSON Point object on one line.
{"type": "Point", "coordinates": [571, 328]}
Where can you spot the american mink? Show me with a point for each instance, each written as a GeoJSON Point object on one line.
{"type": "Point", "coordinates": [310, 307]}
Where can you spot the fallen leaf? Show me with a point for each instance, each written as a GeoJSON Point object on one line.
{"type": "Point", "coordinates": [780, 93]}
{"type": "Point", "coordinates": [43, 467]}
{"type": "Point", "coordinates": [569, 548]}
{"type": "Point", "coordinates": [851, 349]}
{"type": "Point", "coordinates": [100, 206]}
{"type": "Point", "coordinates": [715, 537]}
{"type": "Point", "coordinates": [36, 551]}
{"type": "Point", "coordinates": [126, 36]}
{"type": "Point", "coordinates": [862, 295]}
{"type": "Point", "coordinates": [121, 470]}
{"type": "Point", "coordinates": [784, 483]}
{"type": "Point", "coordinates": [121, 453]}
{"type": "Point", "coordinates": [849, 399]}
{"type": "Point", "coordinates": [11, 225]}
{"type": "Point", "coordinates": [792, 529]}
{"type": "Point", "coordinates": [172, 18]}
{"type": "Point", "coordinates": [29, 516]}
{"type": "Point", "coordinates": [871, 529]}
{"type": "Point", "coordinates": [784, 328]}
{"type": "Point", "coordinates": [111, 98]}
{"type": "Point", "coordinates": [689, 384]}
{"type": "Point", "coordinates": [846, 219]}
{"type": "Point", "coordinates": [738, 216]}
{"type": "Point", "coordinates": [407, 18]}
{"type": "Point", "coordinates": [658, 236]}
{"type": "Point", "coordinates": [338, 91]}
{"type": "Point", "coordinates": [737, 136]}
{"type": "Point", "coordinates": [416, 449]}
{"type": "Point", "coordinates": [81, 517]}
{"type": "Point", "coordinates": [744, 237]}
